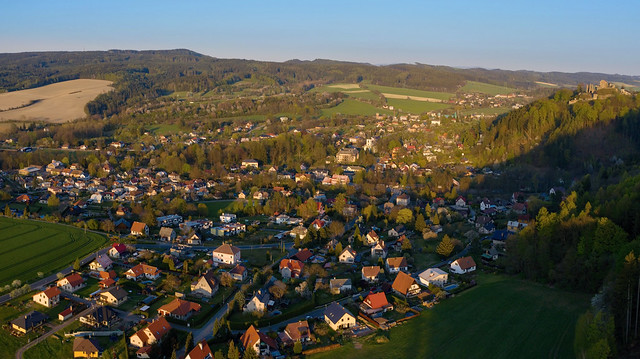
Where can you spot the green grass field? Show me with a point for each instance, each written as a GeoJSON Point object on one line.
{"type": "Point", "coordinates": [163, 129]}
{"type": "Point", "coordinates": [502, 317]}
{"type": "Point", "coordinates": [354, 107]}
{"type": "Point", "coordinates": [410, 92]}
{"type": "Point", "coordinates": [489, 89]}
{"type": "Point", "coordinates": [415, 107]}
{"type": "Point", "coordinates": [215, 207]}
{"type": "Point", "coordinates": [29, 247]}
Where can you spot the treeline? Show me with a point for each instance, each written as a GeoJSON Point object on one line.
{"type": "Point", "coordinates": [554, 133]}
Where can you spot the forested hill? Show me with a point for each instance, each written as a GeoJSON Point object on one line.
{"type": "Point", "coordinates": [569, 129]}
{"type": "Point", "coordinates": [184, 70]}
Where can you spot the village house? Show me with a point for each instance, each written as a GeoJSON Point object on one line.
{"type": "Point", "coordinates": [169, 221]}
{"type": "Point", "coordinates": [372, 238]}
{"type": "Point", "coordinates": [229, 229]}
{"type": "Point", "coordinates": [206, 286]}
{"type": "Point", "coordinates": [100, 317]}
{"type": "Point", "coordinates": [291, 268]}
{"type": "Point", "coordinates": [296, 332]}
{"type": "Point", "coordinates": [228, 218]}
{"type": "Point", "coordinates": [167, 234]}
{"type": "Point", "coordinates": [396, 264]}
{"type": "Point", "coordinates": [403, 200]}
{"type": "Point", "coordinates": [239, 273]}
{"type": "Point", "coordinates": [302, 255]}
{"type": "Point", "coordinates": [370, 273]}
{"type": "Point", "coordinates": [139, 229]}
{"type": "Point", "coordinates": [226, 255]}
{"type": "Point", "coordinates": [463, 265]}
{"type": "Point", "coordinates": [113, 296]}
{"type": "Point", "coordinates": [249, 163]}
{"type": "Point", "coordinates": [347, 256]}
{"type": "Point", "coordinates": [261, 343]}
{"type": "Point", "coordinates": [71, 283]}
{"type": "Point", "coordinates": [29, 321]}
{"type": "Point", "coordinates": [101, 263]}
{"type": "Point", "coordinates": [337, 286]}
{"type": "Point", "coordinates": [375, 303]}
{"type": "Point", "coordinates": [379, 250]}
{"type": "Point", "coordinates": [65, 314]}
{"type": "Point", "coordinates": [86, 348]}
{"type": "Point", "coordinates": [49, 297]}
{"type": "Point", "coordinates": [397, 231]}
{"type": "Point", "coordinates": [347, 155]}
{"type": "Point", "coordinates": [435, 276]}
{"type": "Point", "coordinates": [258, 303]}
{"type": "Point", "coordinates": [338, 317]}
{"type": "Point", "coordinates": [298, 232]}
{"type": "Point", "coordinates": [117, 250]}
{"type": "Point", "coordinates": [515, 226]}
{"type": "Point", "coordinates": [405, 285]}
{"type": "Point", "coordinates": [151, 334]}
{"type": "Point", "coordinates": [142, 271]}
{"type": "Point", "coordinates": [179, 309]}
{"type": "Point", "coordinates": [200, 351]}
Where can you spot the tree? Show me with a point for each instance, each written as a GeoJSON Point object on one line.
{"type": "Point", "coordinates": [338, 249]}
{"type": "Point", "coordinates": [278, 290]}
{"type": "Point", "coordinates": [405, 215]}
{"type": "Point", "coordinates": [297, 347]}
{"type": "Point", "coordinates": [420, 223]}
{"type": "Point", "coordinates": [370, 212]}
{"type": "Point", "coordinates": [445, 247]}
{"type": "Point", "coordinates": [59, 275]}
{"type": "Point", "coordinates": [233, 352]}
{"type": "Point", "coordinates": [226, 280]}
{"type": "Point", "coordinates": [107, 226]}
{"type": "Point", "coordinates": [76, 265]}
{"type": "Point", "coordinates": [336, 229]}
{"type": "Point", "coordinates": [250, 354]}
{"type": "Point", "coordinates": [7, 211]}
{"type": "Point", "coordinates": [406, 245]}
{"type": "Point", "coordinates": [188, 343]}
{"type": "Point", "coordinates": [239, 299]}
{"type": "Point", "coordinates": [220, 354]}
{"type": "Point", "coordinates": [174, 355]}
{"type": "Point", "coordinates": [53, 201]}
{"type": "Point", "coordinates": [339, 203]}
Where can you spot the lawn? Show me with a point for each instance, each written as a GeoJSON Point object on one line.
{"type": "Point", "coordinates": [502, 317]}
{"type": "Point", "coordinates": [8, 312]}
{"type": "Point", "coordinates": [29, 247]}
{"type": "Point", "coordinates": [163, 129]}
{"type": "Point", "coordinates": [415, 107]}
{"type": "Point", "coordinates": [354, 107]}
{"type": "Point", "coordinates": [485, 88]}
{"type": "Point", "coordinates": [217, 207]}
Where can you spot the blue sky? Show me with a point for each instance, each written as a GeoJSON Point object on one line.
{"type": "Point", "coordinates": [559, 35]}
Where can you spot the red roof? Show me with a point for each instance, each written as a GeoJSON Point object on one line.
{"type": "Point", "coordinates": [121, 248]}
{"type": "Point", "coordinates": [466, 262]}
{"type": "Point", "coordinates": [52, 292]}
{"type": "Point", "coordinates": [292, 264]}
{"type": "Point", "coordinates": [75, 279]}
{"type": "Point", "coordinates": [303, 255]}
{"type": "Point", "coordinates": [201, 351]}
{"type": "Point", "coordinates": [179, 307]}
{"type": "Point", "coordinates": [376, 300]}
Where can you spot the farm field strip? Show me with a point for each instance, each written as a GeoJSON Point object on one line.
{"type": "Point", "coordinates": [33, 247]}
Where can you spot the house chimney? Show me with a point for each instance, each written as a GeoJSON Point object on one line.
{"type": "Point", "coordinates": [200, 345]}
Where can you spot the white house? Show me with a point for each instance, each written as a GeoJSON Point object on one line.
{"type": "Point", "coordinates": [338, 317]}
{"type": "Point", "coordinates": [348, 255]}
{"type": "Point", "coordinates": [228, 217]}
{"type": "Point", "coordinates": [463, 265]}
{"type": "Point", "coordinates": [258, 303]}
{"type": "Point", "coordinates": [227, 255]}
{"type": "Point", "coordinates": [435, 276]}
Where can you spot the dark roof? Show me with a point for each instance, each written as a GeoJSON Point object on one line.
{"type": "Point", "coordinates": [500, 235]}
{"type": "Point", "coordinates": [30, 320]}
{"type": "Point", "coordinates": [102, 314]}
{"type": "Point", "coordinates": [335, 311]}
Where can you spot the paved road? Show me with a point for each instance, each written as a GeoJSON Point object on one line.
{"type": "Point", "coordinates": [287, 245]}
{"type": "Point", "coordinates": [55, 329]}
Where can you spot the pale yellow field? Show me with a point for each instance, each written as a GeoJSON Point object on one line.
{"type": "Point", "coordinates": [59, 102]}
{"type": "Point", "coordinates": [345, 86]}
{"type": "Point", "coordinates": [546, 84]}
{"type": "Point", "coordinates": [415, 98]}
